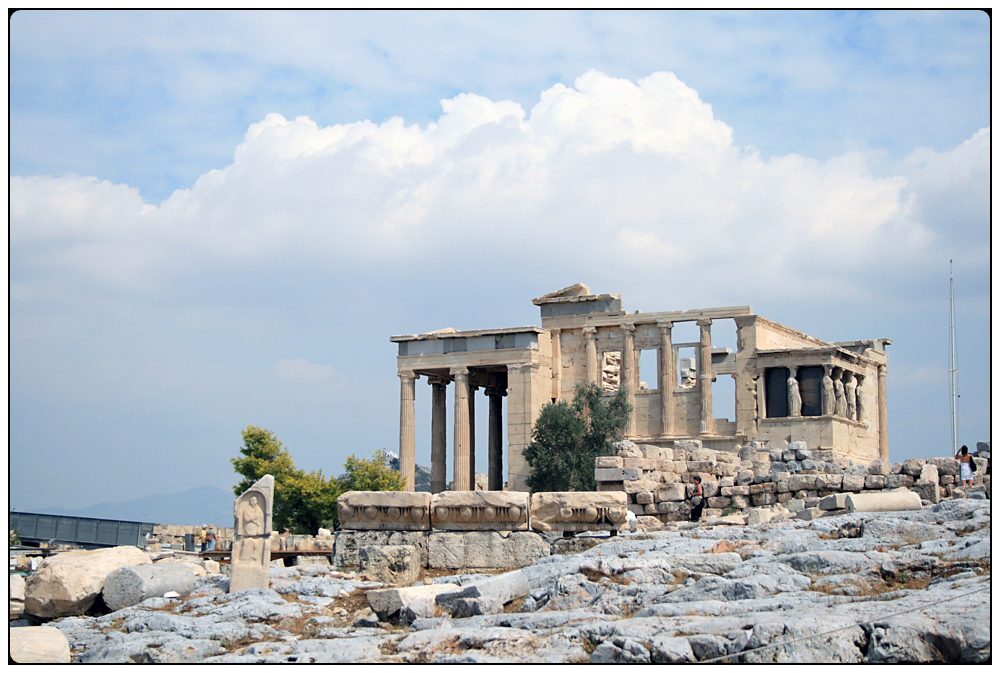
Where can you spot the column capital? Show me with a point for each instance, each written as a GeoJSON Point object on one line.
{"type": "Point", "coordinates": [407, 374]}
{"type": "Point", "coordinates": [555, 331]}
{"type": "Point", "coordinates": [458, 372]}
{"type": "Point", "coordinates": [665, 325]}
{"type": "Point", "coordinates": [494, 390]}
{"type": "Point", "coordinates": [627, 326]}
{"type": "Point", "coordinates": [521, 367]}
{"type": "Point", "coordinates": [703, 322]}
{"type": "Point", "coordinates": [590, 332]}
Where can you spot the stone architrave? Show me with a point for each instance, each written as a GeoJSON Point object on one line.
{"type": "Point", "coordinates": [384, 510]}
{"type": "Point", "coordinates": [794, 398]}
{"type": "Point", "coordinates": [250, 560]}
{"type": "Point", "coordinates": [480, 510]}
{"type": "Point", "coordinates": [829, 402]}
{"type": "Point", "coordinates": [579, 511]}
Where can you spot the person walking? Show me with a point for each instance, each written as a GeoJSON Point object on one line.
{"type": "Point", "coordinates": [965, 464]}
{"type": "Point", "coordinates": [204, 536]}
{"type": "Point", "coordinates": [210, 539]}
{"type": "Point", "coordinates": [697, 500]}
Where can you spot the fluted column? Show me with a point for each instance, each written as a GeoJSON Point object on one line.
{"type": "Point", "coordinates": [794, 398]}
{"type": "Point", "coordinates": [439, 436]}
{"type": "Point", "coordinates": [705, 376]}
{"type": "Point", "coordinates": [407, 439]}
{"type": "Point", "coordinates": [496, 438]}
{"type": "Point", "coordinates": [593, 372]}
{"type": "Point", "coordinates": [556, 336]}
{"type": "Point", "coordinates": [472, 437]}
{"type": "Point", "coordinates": [460, 466]}
{"type": "Point", "coordinates": [668, 378]}
{"type": "Point", "coordinates": [627, 378]}
{"type": "Point", "coordinates": [883, 415]}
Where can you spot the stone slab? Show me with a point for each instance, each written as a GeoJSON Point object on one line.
{"type": "Point", "coordinates": [388, 602]}
{"type": "Point", "coordinates": [480, 510]}
{"type": "Point", "coordinates": [484, 550]}
{"type": "Point", "coordinates": [38, 645]}
{"type": "Point", "coordinates": [835, 501]}
{"type": "Point", "coordinates": [578, 511]}
{"type": "Point", "coordinates": [384, 510]}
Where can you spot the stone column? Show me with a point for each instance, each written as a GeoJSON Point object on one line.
{"type": "Point", "coordinates": [851, 393]}
{"type": "Point", "coordinates": [460, 466]}
{"type": "Point", "coordinates": [593, 371]}
{"type": "Point", "coordinates": [627, 378]}
{"type": "Point", "coordinates": [794, 398]}
{"type": "Point", "coordinates": [883, 416]}
{"type": "Point", "coordinates": [668, 379]}
{"type": "Point", "coordinates": [439, 436]}
{"type": "Point", "coordinates": [705, 376]}
{"type": "Point", "coordinates": [496, 438]}
{"type": "Point", "coordinates": [556, 335]}
{"type": "Point", "coordinates": [472, 437]}
{"type": "Point", "coordinates": [829, 401]}
{"type": "Point", "coordinates": [407, 439]}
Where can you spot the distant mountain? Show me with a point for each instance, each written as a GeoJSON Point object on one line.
{"type": "Point", "coordinates": [194, 507]}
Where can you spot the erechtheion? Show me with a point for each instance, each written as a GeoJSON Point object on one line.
{"type": "Point", "coordinates": [788, 386]}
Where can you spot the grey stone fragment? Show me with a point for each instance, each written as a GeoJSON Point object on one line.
{"type": "Point", "coordinates": [392, 564]}
{"type": "Point", "coordinates": [129, 586]}
{"type": "Point", "coordinates": [671, 650]}
{"type": "Point", "coordinates": [490, 593]}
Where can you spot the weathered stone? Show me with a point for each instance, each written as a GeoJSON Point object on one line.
{"type": "Point", "coordinates": [626, 449]}
{"type": "Point", "coordinates": [927, 490]}
{"type": "Point", "coordinates": [644, 498]}
{"type": "Point", "coordinates": [880, 466]}
{"type": "Point", "coordinates": [835, 501]}
{"type": "Point", "coordinates": [485, 596]}
{"type": "Point", "coordinates": [578, 511]}
{"type": "Point", "coordinates": [384, 510]}
{"type": "Point", "coordinates": [758, 516]}
{"type": "Point", "coordinates": [800, 482]}
{"type": "Point", "coordinates": [928, 474]}
{"type": "Point", "coordinates": [251, 556]}
{"type": "Point", "coordinates": [945, 466]}
{"type": "Point", "coordinates": [125, 587]}
{"type": "Point", "coordinates": [886, 501]}
{"type": "Point", "coordinates": [38, 645]}
{"type": "Point", "coordinates": [70, 582]}
{"type": "Point", "coordinates": [912, 466]}
{"type": "Point", "coordinates": [795, 505]}
{"type": "Point", "coordinates": [609, 462]}
{"type": "Point", "coordinates": [479, 510]}
{"type": "Point", "coordinates": [875, 481]}
{"type": "Point", "coordinates": [15, 587]}
{"type": "Point", "coordinates": [853, 482]}
{"type": "Point", "coordinates": [398, 565]}
{"type": "Point", "coordinates": [617, 474]}
{"type": "Point", "coordinates": [810, 513]}
{"type": "Point", "coordinates": [687, 444]}
{"type": "Point", "coordinates": [898, 480]}
{"type": "Point", "coordinates": [484, 549]}
{"type": "Point", "coordinates": [829, 482]}
{"type": "Point", "coordinates": [388, 602]}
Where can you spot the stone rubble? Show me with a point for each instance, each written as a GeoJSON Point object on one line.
{"type": "Point", "coordinates": [864, 587]}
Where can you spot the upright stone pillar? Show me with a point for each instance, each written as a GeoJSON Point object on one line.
{"type": "Point", "coordinates": [593, 371]}
{"type": "Point", "coordinates": [460, 469]}
{"type": "Point", "coordinates": [829, 401]}
{"type": "Point", "coordinates": [250, 563]}
{"type": "Point", "coordinates": [439, 436]}
{"type": "Point", "coordinates": [628, 379]}
{"type": "Point", "coordinates": [667, 378]}
{"type": "Point", "coordinates": [407, 438]}
{"type": "Point", "coordinates": [496, 438]}
{"type": "Point", "coordinates": [472, 437]}
{"type": "Point", "coordinates": [794, 398]}
{"type": "Point", "coordinates": [850, 392]}
{"type": "Point", "coordinates": [556, 336]}
{"type": "Point", "coordinates": [883, 416]}
{"type": "Point", "coordinates": [705, 376]}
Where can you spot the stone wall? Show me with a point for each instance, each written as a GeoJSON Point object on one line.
{"type": "Point", "coordinates": [659, 480]}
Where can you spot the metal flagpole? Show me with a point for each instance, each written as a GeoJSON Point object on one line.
{"type": "Point", "coordinates": [953, 368]}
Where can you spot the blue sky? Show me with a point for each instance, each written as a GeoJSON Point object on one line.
{"type": "Point", "coordinates": [218, 219]}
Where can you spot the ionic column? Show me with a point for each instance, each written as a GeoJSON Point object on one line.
{"type": "Point", "coordinates": [850, 392]}
{"type": "Point", "coordinates": [472, 437]}
{"type": "Point", "coordinates": [460, 466]}
{"type": "Point", "coordinates": [627, 376]}
{"type": "Point", "coordinates": [883, 415]}
{"type": "Point", "coordinates": [705, 376]}
{"type": "Point", "coordinates": [496, 439]}
{"type": "Point", "coordinates": [794, 398]}
{"type": "Point", "coordinates": [556, 335]}
{"type": "Point", "coordinates": [667, 378]}
{"type": "Point", "coordinates": [407, 440]}
{"type": "Point", "coordinates": [439, 436]}
{"type": "Point", "coordinates": [593, 373]}
{"type": "Point", "coordinates": [829, 401]}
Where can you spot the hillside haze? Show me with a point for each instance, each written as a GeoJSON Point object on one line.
{"type": "Point", "coordinates": [194, 507]}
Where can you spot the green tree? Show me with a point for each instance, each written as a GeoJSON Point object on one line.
{"type": "Point", "coordinates": [371, 475]}
{"type": "Point", "coordinates": [568, 437]}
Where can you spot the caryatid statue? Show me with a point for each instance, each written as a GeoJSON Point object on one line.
{"type": "Point", "coordinates": [794, 398]}
{"type": "Point", "coordinates": [850, 391]}
{"type": "Point", "coordinates": [250, 560]}
{"type": "Point", "coordinates": [838, 386]}
{"type": "Point", "coordinates": [829, 403]}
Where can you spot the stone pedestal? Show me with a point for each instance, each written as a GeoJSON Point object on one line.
{"type": "Point", "coordinates": [251, 555]}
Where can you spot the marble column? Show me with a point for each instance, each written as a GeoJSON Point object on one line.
{"type": "Point", "coordinates": [851, 393]}
{"type": "Point", "coordinates": [460, 466]}
{"type": "Point", "coordinates": [705, 376]}
{"type": "Point", "coordinates": [668, 379]}
{"type": "Point", "coordinates": [829, 401]}
{"type": "Point", "coordinates": [794, 397]}
{"type": "Point", "coordinates": [472, 437]}
{"type": "Point", "coordinates": [556, 336]}
{"type": "Point", "coordinates": [593, 371]}
{"type": "Point", "coordinates": [439, 436]}
{"type": "Point", "coordinates": [407, 439]}
{"type": "Point", "coordinates": [883, 415]}
{"type": "Point", "coordinates": [496, 438]}
{"type": "Point", "coordinates": [627, 376]}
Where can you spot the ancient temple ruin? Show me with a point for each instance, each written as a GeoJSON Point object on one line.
{"type": "Point", "coordinates": [788, 386]}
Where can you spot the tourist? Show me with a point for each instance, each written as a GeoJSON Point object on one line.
{"type": "Point", "coordinates": [966, 465]}
{"type": "Point", "coordinates": [204, 536]}
{"type": "Point", "coordinates": [210, 539]}
{"type": "Point", "coordinates": [697, 500]}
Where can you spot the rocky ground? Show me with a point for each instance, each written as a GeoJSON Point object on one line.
{"type": "Point", "coordinates": [863, 587]}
